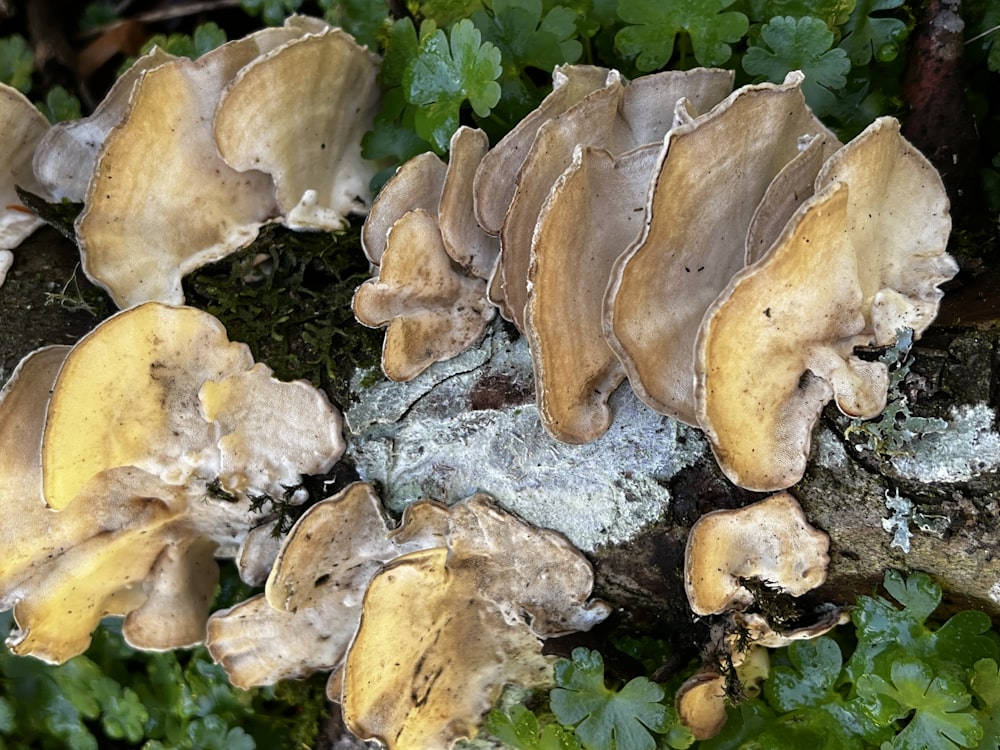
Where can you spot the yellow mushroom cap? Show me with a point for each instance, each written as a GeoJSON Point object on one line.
{"type": "Point", "coordinates": [23, 126]}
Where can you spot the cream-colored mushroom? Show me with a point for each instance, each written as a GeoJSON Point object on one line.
{"type": "Point", "coordinates": [312, 605]}
{"type": "Point", "coordinates": [298, 114]}
{"type": "Point", "coordinates": [132, 524]}
{"type": "Point", "coordinates": [593, 210]}
{"type": "Point", "coordinates": [618, 117]}
{"type": "Point", "coordinates": [65, 158]}
{"type": "Point", "coordinates": [496, 176]}
{"type": "Point", "coordinates": [701, 703]}
{"type": "Point", "coordinates": [138, 234]}
{"type": "Point", "coordinates": [893, 188]}
{"type": "Point", "coordinates": [770, 540]}
{"type": "Point", "coordinates": [432, 308]}
{"type": "Point", "coordinates": [777, 345]}
{"type": "Point", "coordinates": [712, 175]}
{"type": "Point", "coordinates": [431, 656]}
{"type": "Point", "coordinates": [22, 126]}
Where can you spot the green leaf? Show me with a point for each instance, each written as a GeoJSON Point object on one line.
{"type": "Point", "coordinates": [363, 19]}
{"type": "Point", "coordinates": [520, 729]}
{"type": "Point", "coordinates": [867, 36]}
{"type": "Point", "coordinates": [939, 704]}
{"type": "Point", "coordinates": [606, 718]}
{"type": "Point", "coordinates": [809, 681]}
{"type": "Point", "coordinates": [447, 72]}
{"type": "Point", "coordinates": [800, 44]}
{"type": "Point", "coordinates": [527, 38]}
{"type": "Point", "coordinates": [60, 105]}
{"type": "Point", "coordinates": [833, 12]}
{"type": "Point", "coordinates": [274, 12]}
{"type": "Point", "coordinates": [654, 25]}
{"type": "Point", "coordinates": [985, 684]}
{"type": "Point", "coordinates": [16, 63]}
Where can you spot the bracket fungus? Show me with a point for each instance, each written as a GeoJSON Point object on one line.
{"type": "Point", "coordinates": [430, 291]}
{"type": "Point", "coordinates": [712, 175]}
{"type": "Point", "coordinates": [422, 624]}
{"type": "Point", "coordinates": [770, 541]}
{"type": "Point", "coordinates": [306, 135]}
{"type": "Point", "coordinates": [23, 126]}
{"type": "Point", "coordinates": [137, 233]}
{"type": "Point", "coordinates": [122, 439]}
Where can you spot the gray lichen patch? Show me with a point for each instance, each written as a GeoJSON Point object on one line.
{"type": "Point", "coordinates": [471, 425]}
{"type": "Point", "coordinates": [970, 446]}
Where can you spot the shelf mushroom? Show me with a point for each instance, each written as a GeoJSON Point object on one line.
{"type": "Point", "coordinates": [146, 444]}
{"type": "Point", "coordinates": [23, 126]}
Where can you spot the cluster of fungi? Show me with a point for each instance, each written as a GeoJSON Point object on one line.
{"type": "Point", "coordinates": [721, 250]}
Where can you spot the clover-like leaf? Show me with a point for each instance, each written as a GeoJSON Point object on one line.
{"type": "Point", "coordinates": [527, 38]}
{"type": "Point", "coordinates": [815, 667]}
{"type": "Point", "coordinates": [802, 44]}
{"type": "Point", "coordinates": [940, 719]}
{"type": "Point", "coordinates": [16, 63]}
{"type": "Point", "coordinates": [605, 718]}
{"type": "Point", "coordinates": [447, 72]}
{"type": "Point", "coordinates": [655, 24]}
{"type": "Point", "coordinates": [867, 36]}
{"type": "Point", "coordinates": [519, 728]}
{"type": "Point", "coordinates": [985, 684]}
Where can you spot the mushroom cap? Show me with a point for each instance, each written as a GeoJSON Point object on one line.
{"type": "Point", "coordinates": [695, 234]}
{"type": "Point", "coordinates": [417, 183]}
{"type": "Point", "coordinates": [701, 703]}
{"type": "Point", "coordinates": [432, 308]}
{"type": "Point", "coordinates": [618, 117]}
{"type": "Point", "coordinates": [892, 189]}
{"type": "Point", "coordinates": [431, 657]}
{"type": "Point", "coordinates": [66, 155]}
{"type": "Point", "coordinates": [496, 176]}
{"type": "Point", "coordinates": [92, 563]}
{"type": "Point", "coordinates": [591, 214]}
{"type": "Point", "coordinates": [770, 540]}
{"type": "Point", "coordinates": [312, 602]}
{"type": "Point", "coordinates": [298, 114]}
{"type": "Point", "coordinates": [127, 396]}
{"type": "Point", "coordinates": [777, 344]}
{"type": "Point", "coordinates": [23, 126]}
{"type": "Point", "coordinates": [138, 235]}
{"type": "Point", "coordinates": [531, 574]}
{"type": "Point", "coordinates": [178, 596]}
{"type": "Point", "coordinates": [464, 240]}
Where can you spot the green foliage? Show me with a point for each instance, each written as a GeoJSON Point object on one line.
{"type": "Point", "coordinates": [60, 105]}
{"type": "Point", "coordinates": [96, 15]}
{"type": "Point", "coordinates": [206, 37]}
{"type": "Point", "coordinates": [16, 63]}
{"type": "Point", "coordinates": [363, 19]}
{"type": "Point", "coordinates": [272, 12]}
{"type": "Point", "coordinates": [519, 728]}
{"type": "Point", "coordinates": [907, 684]}
{"type": "Point", "coordinates": [113, 696]}
{"type": "Point", "coordinates": [449, 70]}
{"type": "Point", "coordinates": [788, 44]}
{"type": "Point", "coordinates": [654, 25]}
{"type": "Point", "coordinates": [868, 36]}
{"type": "Point", "coordinates": [605, 718]}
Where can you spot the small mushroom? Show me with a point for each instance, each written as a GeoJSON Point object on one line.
{"type": "Point", "coordinates": [777, 344]}
{"type": "Point", "coordinates": [701, 703]}
{"type": "Point", "coordinates": [712, 175]}
{"type": "Point", "coordinates": [770, 541]}
{"type": "Point", "coordinates": [433, 309]}
{"type": "Point", "coordinates": [22, 126]}
{"type": "Point", "coordinates": [593, 210]}
{"type": "Point", "coordinates": [307, 134]}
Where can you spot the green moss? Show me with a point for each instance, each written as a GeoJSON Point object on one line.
{"type": "Point", "coordinates": [288, 297]}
